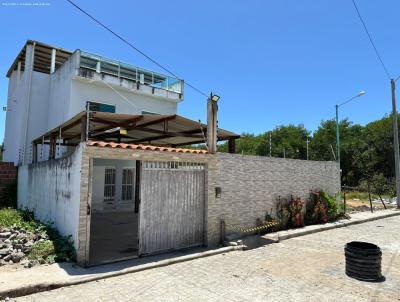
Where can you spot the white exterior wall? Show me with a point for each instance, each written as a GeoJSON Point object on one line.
{"type": "Point", "coordinates": [27, 110]}
{"type": "Point", "coordinates": [13, 130]}
{"type": "Point", "coordinates": [19, 120]}
{"type": "Point", "coordinates": [39, 102]}
{"type": "Point", "coordinates": [51, 190]}
{"type": "Point", "coordinates": [38, 110]}
{"type": "Point", "coordinates": [84, 90]}
{"type": "Point", "coordinates": [60, 92]}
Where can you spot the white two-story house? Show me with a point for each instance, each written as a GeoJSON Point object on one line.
{"type": "Point", "coordinates": [49, 85]}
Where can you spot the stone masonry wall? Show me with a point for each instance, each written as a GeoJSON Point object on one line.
{"type": "Point", "coordinates": [251, 185]}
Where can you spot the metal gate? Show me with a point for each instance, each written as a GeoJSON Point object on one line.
{"type": "Point", "coordinates": [171, 207]}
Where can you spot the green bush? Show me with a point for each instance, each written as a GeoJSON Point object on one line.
{"type": "Point", "coordinates": [22, 219]}
{"type": "Point", "coordinates": [42, 250]}
{"type": "Point", "coordinates": [330, 202]}
{"type": "Point", "coordinates": [316, 210]}
{"type": "Point", "coordinates": [52, 248]}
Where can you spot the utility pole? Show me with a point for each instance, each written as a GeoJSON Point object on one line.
{"type": "Point", "coordinates": [212, 135]}
{"type": "Point", "coordinates": [361, 93]}
{"type": "Point", "coordinates": [395, 141]}
{"type": "Point", "coordinates": [307, 147]}
{"type": "Point", "coordinates": [337, 136]}
{"type": "Point", "coordinates": [284, 153]}
{"type": "Point", "coordinates": [270, 144]}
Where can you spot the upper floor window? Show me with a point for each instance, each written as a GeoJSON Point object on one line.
{"type": "Point", "coordinates": [94, 106]}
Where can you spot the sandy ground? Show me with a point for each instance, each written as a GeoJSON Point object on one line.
{"type": "Point", "coordinates": [364, 205]}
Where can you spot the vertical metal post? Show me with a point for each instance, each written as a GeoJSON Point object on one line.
{"type": "Point", "coordinates": [307, 147]}
{"type": "Point", "coordinates": [369, 197]}
{"type": "Point", "coordinates": [395, 141]}
{"type": "Point", "coordinates": [337, 136]}
{"type": "Point", "coordinates": [284, 153]}
{"type": "Point", "coordinates": [222, 231]}
{"type": "Point", "coordinates": [344, 202]}
{"type": "Point", "coordinates": [212, 109]}
{"type": "Point", "coordinates": [270, 144]}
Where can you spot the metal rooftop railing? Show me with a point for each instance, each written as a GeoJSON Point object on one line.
{"type": "Point", "coordinates": [123, 70]}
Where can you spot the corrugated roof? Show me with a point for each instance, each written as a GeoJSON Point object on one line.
{"type": "Point", "coordinates": [144, 147]}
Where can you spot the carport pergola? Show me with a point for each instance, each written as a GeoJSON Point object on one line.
{"type": "Point", "coordinates": [160, 130]}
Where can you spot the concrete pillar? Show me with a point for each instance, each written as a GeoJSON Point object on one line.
{"type": "Point", "coordinates": [18, 72]}
{"type": "Point", "coordinates": [29, 64]}
{"type": "Point", "coordinates": [98, 67]}
{"type": "Point", "coordinates": [53, 61]}
{"type": "Point", "coordinates": [212, 109]}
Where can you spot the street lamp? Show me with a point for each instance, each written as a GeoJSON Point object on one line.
{"type": "Point", "coordinates": [361, 93]}
{"type": "Point", "coordinates": [212, 110]}
{"type": "Point", "coordinates": [214, 97]}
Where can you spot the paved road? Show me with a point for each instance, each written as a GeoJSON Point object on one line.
{"type": "Point", "coordinates": [308, 268]}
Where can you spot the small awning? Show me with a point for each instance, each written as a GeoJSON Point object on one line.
{"type": "Point", "coordinates": [159, 130]}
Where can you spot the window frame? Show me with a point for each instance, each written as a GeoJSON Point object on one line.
{"type": "Point", "coordinates": [125, 185]}
{"type": "Point", "coordinates": [110, 198]}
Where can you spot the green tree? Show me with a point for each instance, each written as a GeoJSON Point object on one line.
{"type": "Point", "coordinates": [291, 140]}
{"type": "Point", "coordinates": [366, 151]}
{"type": "Point", "coordinates": [323, 147]}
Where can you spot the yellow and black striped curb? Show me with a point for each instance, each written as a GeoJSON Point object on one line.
{"type": "Point", "coordinates": [264, 226]}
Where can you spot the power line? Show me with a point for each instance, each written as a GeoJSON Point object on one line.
{"type": "Point", "coordinates": [133, 46]}
{"type": "Point", "coordinates": [370, 39]}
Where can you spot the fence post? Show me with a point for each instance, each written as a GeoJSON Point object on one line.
{"type": "Point", "coordinates": [344, 202]}
{"type": "Point", "coordinates": [222, 231]}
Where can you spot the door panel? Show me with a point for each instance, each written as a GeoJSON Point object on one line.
{"type": "Point", "coordinates": [172, 206]}
{"type": "Point", "coordinates": [113, 221]}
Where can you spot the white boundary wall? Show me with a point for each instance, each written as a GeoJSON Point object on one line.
{"type": "Point", "coordinates": [51, 189]}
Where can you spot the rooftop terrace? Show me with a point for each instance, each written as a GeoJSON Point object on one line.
{"type": "Point", "coordinates": [46, 56]}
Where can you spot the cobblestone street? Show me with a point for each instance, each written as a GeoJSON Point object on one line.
{"type": "Point", "coordinates": [308, 268]}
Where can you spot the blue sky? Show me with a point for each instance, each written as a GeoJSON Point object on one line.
{"type": "Point", "coordinates": [272, 62]}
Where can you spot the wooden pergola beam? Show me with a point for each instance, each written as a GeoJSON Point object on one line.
{"type": "Point", "coordinates": [188, 133]}
{"type": "Point", "coordinates": [158, 121]}
{"type": "Point", "coordinates": [127, 124]}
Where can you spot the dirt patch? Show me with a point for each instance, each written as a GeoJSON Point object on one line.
{"type": "Point", "coordinates": [364, 205]}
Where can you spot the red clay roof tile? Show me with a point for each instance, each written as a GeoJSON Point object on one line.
{"type": "Point", "coordinates": [144, 147]}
